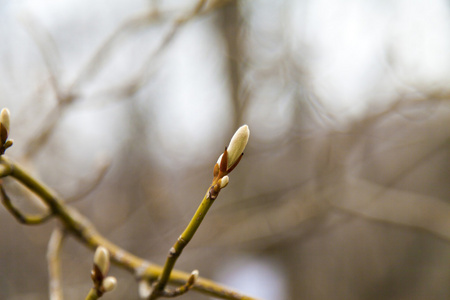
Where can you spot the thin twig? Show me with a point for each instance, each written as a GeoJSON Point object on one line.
{"type": "Point", "coordinates": [69, 95]}
{"type": "Point", "coordinates": [92, 295]}
{"type": "Point", "coordinates": [79, 226]}
{"type": "Point", "coordinates": [180, 290]}
{"type": "Point", "coordinates": [53, 119]}
{"type": "Point", "coordinates": [138, 80]}
{"type": "Point", "coordinates": [22, 218]}
{"type": "Point", "coordinates": [92, 184]}
{"type": "Point", "coordinates": [179, 245]}
{"type": "Point", "coordinates": [47, 49]}
{"type": "Point", "coordinates": [54, 264]}
{"type": "Point", "coordinates": [226, 163]}
{"type": "Point", "coordinates": [97, 59]}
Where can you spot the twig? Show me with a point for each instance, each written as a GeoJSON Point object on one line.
{"type": "Point", "coordinates": [92, 184]}
{"type": "Point", "coordinates": [5, 170]}
{"type": "Point", "coordinates": [53, 119]}
{"type": "Point", "coordinates": [92, 295]}
{"type": "Point", "coordinates": [182, 289]}
{"type": "Point", "coordinates": [179, 245]}
{"type": "Point", "coordinates": [138, 80]}
{"type": "Point", "coordinates": [77, 225]}
{"type": "Point", "coordinates": [24, 219]}
{"type": "Point", "coordinates": [49, 53]}
{"type": "Point", "coordinates": [54, 264]}
{"type": "Point", "coordinates": [47, 49]}
{"type": "Point", "coordinates": [97, 59]}
{"type": "Point", "coordinates": [69, 95]}
{"type": "Point", "coordinates": [226, 163]}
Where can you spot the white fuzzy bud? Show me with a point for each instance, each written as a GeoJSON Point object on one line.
{"type": "Point", "coordinates": [109, 283]}
{"type": "Point", "coordinates": [145, 289]}
{"type": "Point", "coordinates": [4, 118]}
{"type": "Point", "coordinates": [220, 159]}
{"type": "Point", "coordinates": [237, 145]}
{"type": "Point", "coordinates": [224, 182]}
{"type": "Point", "coordinates": [101, 259]}
{"type": "Point", "coordinates": [4, 128]}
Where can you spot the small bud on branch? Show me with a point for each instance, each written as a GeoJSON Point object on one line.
{"type": "Point", "coordinates": [233, 153]}
{"type": "Point", "coordinates": [145, 289]}
{"type": "Point", "coordinates": [237, 145]}
{"type": "Point", "coordinates": [4, 118]}
{"type": "Point", "coordinates": [101, 259]}
{"type": "Point", "coordinates": [192, 278]}
{"type": "Point", "coordinates": [228, 160]}
{"type": "Point", "coordinates": [224, 182]}
{"type": "Point", "coordinates": [4, 130]}
{"type": "Point", "coordinates": [109, 284]}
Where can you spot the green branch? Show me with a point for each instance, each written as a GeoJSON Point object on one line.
{"type": "Point", "coordinates": [22, 218]}
{"type": "Point", "coordinates": [79, 226]}
{"type": "Point", "coordinates": [179, 245]}
{"type": "Point", "coordinates": [226, 163]}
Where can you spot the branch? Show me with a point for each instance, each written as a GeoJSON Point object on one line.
{"type": "Point", "coordinates": [48, 51]}
{"type": "Point", "coordinates": [99, 272]}
{"type": "Point", "coordinates": [54, 264]}
{"type": "Point", "coordinates": [85, 189]}
{"type": "Point", "coordinates": [22, 218]}
{"type": "Point", "coordinates": [79, 226]}
{"type": "Point", "coordinates": [68, 96]}
{"type": "Point", "coordinates": [397, 207]}
{"type": "Point", "coordinates": [96, 61]}
{"type": "Point", "coordinates": [182, 289]}
{"type": "Point", "coordinates": [179, 245]}
{"type": "Point", "coordinates": [139, 79]}
{"type": "Point", "coordinates": [226, 163]}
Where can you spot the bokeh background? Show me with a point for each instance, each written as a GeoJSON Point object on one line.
{"type": "Point", "coordinates": [123, 107]}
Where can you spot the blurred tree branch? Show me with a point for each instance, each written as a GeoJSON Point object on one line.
{"type": "Point", "coordinates": [398, 208]}
{"type": "Point", "coordinates": [68, 96]}
{"type": "Point", "coordinates": [54, 263]}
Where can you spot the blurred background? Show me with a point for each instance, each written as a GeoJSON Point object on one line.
{"type": "Point", "coordinates": [123, 108]}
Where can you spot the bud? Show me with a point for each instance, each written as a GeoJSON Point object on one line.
{"type": "Point", "coordinates": [4, 124]}
{"type": "Point", "coordinates": [4, 118]}
{"type": "Point", "coordinates": [223, 182]}
{"type": "Point", "coordinates": [109, 283]}
{"type": "Point", "coordinates": [101, 259]}
{"type": "Point", "coordinates": [145, 289]}
{"type": "Point", "coordinates": [237, 144]}
{"type": "Point", "coordinates": [193, 278]}
{"type": "Point", "coordinates": [236, 147]}
{"type": "Point", "coordinates": [220, 159]}
{"type": "Point", "coordinates": [8, 143]}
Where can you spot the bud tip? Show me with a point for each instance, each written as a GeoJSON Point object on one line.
{"type": "Point", "coordinates": [101, 259]}
{"type": "Point", "coordinates": [224, 182]}
{"type": "Point", "coordinates": [193, 278]}
{"type": "Point", "coordinates": [109, 283]}
{"type": "Point", "coordinates": [237, 144]}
